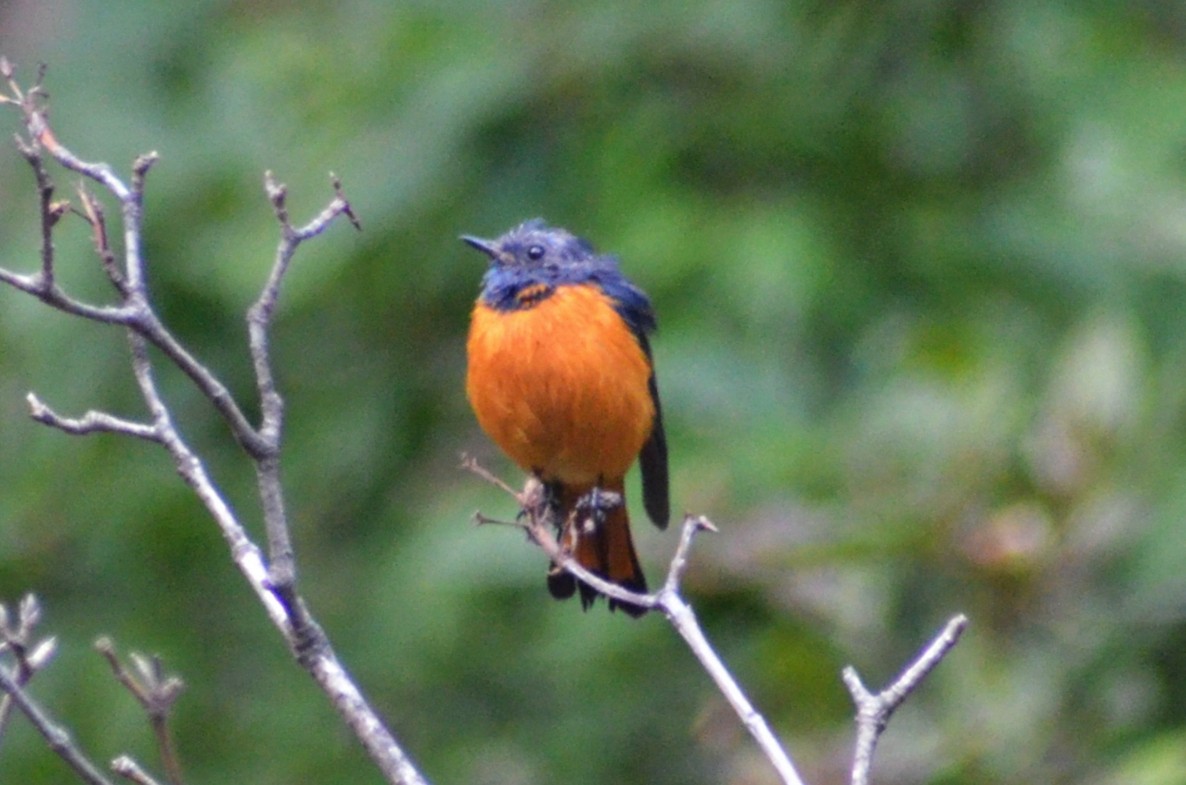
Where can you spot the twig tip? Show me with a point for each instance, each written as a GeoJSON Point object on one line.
{"type": "Point", "coordinates": [37, 409]}
{"type": "Point", "coordinates": [340, 195]}
{"type": "Point", "coordinates": [144, 162]}
{"type": "Point", "coordinates": [856, 687]}
{"type": "Point", "coordinates": [104, 645]}
{"type": "Point", "coordinates": [42, 654]}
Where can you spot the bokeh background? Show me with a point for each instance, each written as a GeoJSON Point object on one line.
{"type": "Point", "coordinates": [920, 269]}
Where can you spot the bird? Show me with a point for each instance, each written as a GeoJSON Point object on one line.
{"type": "Point", "coordinates": [561, 377]}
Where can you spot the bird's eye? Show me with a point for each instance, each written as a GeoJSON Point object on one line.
{"type": "Point", "coordinates": [535, 252]}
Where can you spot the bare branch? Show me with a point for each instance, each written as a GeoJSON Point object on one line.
{"type": "Point", "coordinates": [49, 216]}
{"type": "Point", "coordinates": [282, 566]}
{"type": "Point", "coordinates": [537, 522]}
{"type": "Point", "coordinates": [215, 391]}
{"type": "Point", "coordinates": [93, 213]}
{"type": "Point", "coordinates": [309, 643]}
{"type": "Point", "coordinates": [259, 316]}
{"type": "Point", "coordinates": [874, 711]}
{"type": "Point", "coordinates": [275, 586]}
{"type": "Point", "coordinates": [680, 614]}
{"type": "Point", "coordinates": [135, 311]}
{"type": "Point", "coordinates": [140, 169]}
{"type": "Point", "coordinates": [55, 735]}
{"type": "Point", "coordinates": [156, 693]}
{"type": "Point", "coordinates": [16, 638]}
{"type": "Point", "coordinates": [679, 562]}
{"type": "Point", "coordinates": [471, 464]}
{"type": "Point", "coordinates": [52, 295]}
{"type": "Point", "coordinates": [91, 422]}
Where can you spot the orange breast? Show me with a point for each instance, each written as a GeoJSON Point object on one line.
{"type": "Point", "coordinates": [561, 387]}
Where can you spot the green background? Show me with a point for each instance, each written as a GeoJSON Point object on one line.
{"type": "Point", "coordinates": [920, 270]}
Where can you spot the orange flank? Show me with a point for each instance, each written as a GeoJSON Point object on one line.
{"type": "Point", "coordinates": [571, 405]}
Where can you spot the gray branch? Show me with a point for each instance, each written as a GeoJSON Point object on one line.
{"type": "Point", "coordinates": [55, 735]}
{"type": "Point", "coordinates": [272, 580]}
{"type": "Point", "coordinates": [91, 422]}
{"type": "Point", "coordinates": [282, 567]}
{"type": "Point", "coordinates": [874, 711]}
{"type": "Point", "coordinates": [16, 639]}
{"type": "Point", "coordinates": [539, 526]}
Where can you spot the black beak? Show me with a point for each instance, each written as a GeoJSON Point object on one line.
{"type": "Point", "coordinates": [485, 246]}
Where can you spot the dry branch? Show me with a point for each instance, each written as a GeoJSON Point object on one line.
{"type": "Point", "coordinates": [156, 693]}
{"type": "Point", "coordinates": [273, 579]}
{"type": "Point", "coordinates": [28, 656]}
{"type": "Point", "coordinates": [873, 711]}
{"type": "Point", "coordinates": [538, 522]}
{"type": "Point", "coordinates": [16, 640]}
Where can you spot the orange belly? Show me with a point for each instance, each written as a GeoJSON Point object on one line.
{"type": "Point", "coordinates": [561, 387]}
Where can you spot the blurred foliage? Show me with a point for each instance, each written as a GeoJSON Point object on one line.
{"type": "Point", "coordinates": [920, 270]}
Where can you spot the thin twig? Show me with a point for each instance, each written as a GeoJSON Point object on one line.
{"type": "Point", "coordinates": [52, 295]}
{"type": "Point", "coordinates": [282, 567]}
{"type": "Point", "coordinates": [130, 770]}
{"type": "Point", "coordinates": [135, 312]}
{"type": "Point", "coordinates": [680, 614]}
{"type": "Point", "coordinates": [94, 215]}
{"type": "Point", "coordinates": [45, 189]}
{"type": "Point", "coordinates": [55, 735]}
{"type": "Point", "coordinates": [214, 390]}
{"type": "Point", "coordinates": [471, 464]}
{"type": "Point", "coordinates": [91, 422]}
{"type": "Point", "coordinates": [16, 637]}
{"type": "Point", "coordinates": [693, 525]}
{"type": "Point", "coordinates": [156, 693]}
{"type": "Point", "coordinates": [874, 711]}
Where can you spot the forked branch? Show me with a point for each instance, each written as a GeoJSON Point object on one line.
{"type": "Point", "coordinates": [156, 693]}
{"type": "Point", "coordinates": [27, 656]}
{"type": "Point", "coordinates": [873, 711]}
{"type": "Point", "coordinates": [539, 525]}
{"type": "Point", "coordinates": [273, 579]}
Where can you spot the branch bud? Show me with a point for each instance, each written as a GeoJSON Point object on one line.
{"type": "Point", "coordinates": [42, 654]}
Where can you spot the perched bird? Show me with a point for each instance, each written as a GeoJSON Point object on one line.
{"type": "Point", "coordinates": [560, 376]}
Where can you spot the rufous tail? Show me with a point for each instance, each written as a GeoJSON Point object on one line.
{"type": "Point", "coordinates": [598, 537]}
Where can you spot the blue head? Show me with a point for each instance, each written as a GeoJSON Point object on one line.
{"type": "Point", "coordinates": [531, 260]}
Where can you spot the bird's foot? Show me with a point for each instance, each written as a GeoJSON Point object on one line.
{"type": "Point", "coordinates": [592, 507]}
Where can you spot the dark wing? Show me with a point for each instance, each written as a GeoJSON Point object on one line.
{"type": "Point", "coordinates": [653, 458]}
{"type": "Point", "coordinates": [635, 308]}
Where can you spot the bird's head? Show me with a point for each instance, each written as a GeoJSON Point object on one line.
{"type": "Point", "coordinates": [535, 246]}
